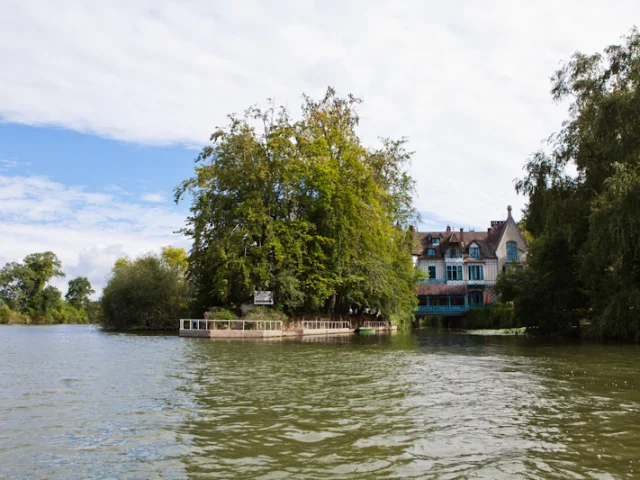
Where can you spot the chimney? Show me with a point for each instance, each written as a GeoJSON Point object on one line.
{"type": "Point", "coordinates": [412, 229]}
{"type": "Point", "coordinates": [448, 228]}
{"type": "Point", "coordinates": [461, 230]}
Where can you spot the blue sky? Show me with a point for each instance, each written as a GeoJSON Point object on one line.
{"type": "Point", "coordinates": [98, 163]}
{"type": "Point", "coordinates": [104, 105]}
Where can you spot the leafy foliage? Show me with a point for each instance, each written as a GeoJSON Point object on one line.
{"type": "Point", "coordinates": [79, 291]}
{"type": "Point", "coordinates": [584, 261]}
{"type": "Point", "coordinates": [147, 293]}
{"type": "Point", "coordinates": [265, 313]}
{"type": "Point", "coordinates": [217, 313]}
{"type": "Point", "coordinates": [175, 257]}
{"type": "Point", "coordinates": [23, 286]}
{"type": "Point", "coordinates": [301, 208]}
{"type": "Point", "coordinates": [498, 316]}
{"type": "Point", "coordinates": [26, 296]}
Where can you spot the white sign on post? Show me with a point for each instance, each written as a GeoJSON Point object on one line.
{"type": "Point", "coordinates": [262, 297]}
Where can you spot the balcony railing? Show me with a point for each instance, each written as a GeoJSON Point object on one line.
{"type": "Point", "coordinates": [199, 324]}
{"type": "Point", "coordinates": [448, 309]}
{"type": "Point", "coordinates": [453, 256]}
{"type": "Point", "coordinates": [444, 281]}
{"type": "Point", "coordinates": [441, 309]}
{"type": "Point", "coordinates": [433, 281]}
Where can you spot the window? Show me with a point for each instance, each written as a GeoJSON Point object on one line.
{"type": "Point", "coordinates": [476, 272]}
{"type": "Point", "coordinates": [431, 251]}
{"type": "Point", "coordinates": [432, 271]}
{"type": "Point", "coordinates": [474, 252]}
{"type": "Point", "coordinates": [475, 298]}
{"type": "Point", "coordinates": [453, 252]}
{"type": "Point", "coordinates": [436, 242]}
{"type": "Point", "coordinates": [454, 272]}
{"type": "Point", "coordinates": [512, 252]}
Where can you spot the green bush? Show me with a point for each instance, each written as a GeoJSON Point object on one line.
{"type": "Point", "coordinates": [66, 313]}
{"type": "Point", "coordinates": [432, 322]}
{"type": "Point", "coordinates": [266, 313]}
{"type": "Point", "coordinates": [217, 313]}
{"type": "Point", "coordinates": [498, 316]}
{"type": "Point", "coordinates": [147, 293]}
{"type": "Point", "coordinates": [9, 316]}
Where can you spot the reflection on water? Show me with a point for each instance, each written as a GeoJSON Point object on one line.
{"type": "Point", "coordinates": [80, 403]}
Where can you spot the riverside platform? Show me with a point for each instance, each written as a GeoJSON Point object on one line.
{"type": "Point", "coordinates": [202, 328]}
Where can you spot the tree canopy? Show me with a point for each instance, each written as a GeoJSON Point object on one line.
{"type": "Point", "coordinates": [25, 293]}
{"type": "Point", "coordinates": [147, 293]}
{"type": "Point", "coordinates": [304, 209]}
{"type": "Point", "coordinates": [584, 261]}
{"type": "Point", "coordinates": [79, 291]}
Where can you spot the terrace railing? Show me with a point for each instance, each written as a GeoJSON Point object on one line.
{"type": "Point", "coordinates": [196, 324]}
{"type": "Point", "coordinates": [324, 325]}
{"type": "Point", "coordinates": [375, 324]}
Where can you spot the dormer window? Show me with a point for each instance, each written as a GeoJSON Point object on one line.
{"type": "Point", "coordinates": [512, 252]}
{"type": "Point", "coordinates": [436, 242]}
{"type": "Point", "coordinates": [474, 252]}
{"type": "Point", "coordinates": [431, 252]}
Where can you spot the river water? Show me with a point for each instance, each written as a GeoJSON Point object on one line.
{"type": "Point", "coordinates": [76, 402]}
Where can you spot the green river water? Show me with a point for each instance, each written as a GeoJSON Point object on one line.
{"type": "Point", "coordinates": [79, 403]}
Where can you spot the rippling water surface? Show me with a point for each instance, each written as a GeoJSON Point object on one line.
{"type": "Point", "coordinates": [76, 402]}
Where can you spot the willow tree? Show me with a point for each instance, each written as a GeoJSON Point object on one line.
{"type": "Point", "coordinates": [304, 209]}
{"type": "Point", "coordinates": [587, 226]}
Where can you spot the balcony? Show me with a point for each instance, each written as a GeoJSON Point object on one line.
{"type": "Point", "coordinates": [453, 257]}
{"type": "Point", "coordinates": [433, 281]}
{"type": "Point", "coordinates": [444, 281]}
{"type": "Point", "coordinates": [441, 309]}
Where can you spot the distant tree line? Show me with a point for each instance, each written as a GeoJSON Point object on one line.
{"type": "Point", "coordinates": [27, 297]}
{"type": "Point", "coordinates": [583, 210]}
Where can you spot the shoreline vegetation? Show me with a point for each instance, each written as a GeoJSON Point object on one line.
{"type": "Point", "coordinates": [303, 209]}
{"type": "Point", "coordinates": [26, 297]}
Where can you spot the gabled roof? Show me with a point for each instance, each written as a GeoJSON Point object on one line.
{"type": "Point", "coordinates": [488, 240]}
{"type": "Point", "coordinates": [454, 239]}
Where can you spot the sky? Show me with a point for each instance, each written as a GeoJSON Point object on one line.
{"type": "Point", "coordinates": [105, 105]}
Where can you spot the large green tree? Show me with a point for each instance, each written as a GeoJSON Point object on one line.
{"type": "Point", "coordinates": [79, 292]}
{"type": "Point", "coordinates": [23, 286]}
{"type": "Point", "coordinates": [304, 209]}
{"type": "Point", "coordinates": [584, 262]}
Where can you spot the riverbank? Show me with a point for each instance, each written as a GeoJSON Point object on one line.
{"type": "Point", "coordinates": [497, 332]}
{"type": "Point", "coordinates": [61, 316]}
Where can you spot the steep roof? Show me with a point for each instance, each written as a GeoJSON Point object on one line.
{"type": "Point", "coordinates": [418, 238]}
{"type": "Point", "coordinates": [488, 240]}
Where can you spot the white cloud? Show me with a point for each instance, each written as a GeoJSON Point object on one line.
{"type": "Point", "coordinates": [6, 164]}
{"type": "Point", "coordinates": [87, 230]}
{"type": "Point", "coordinates": [153, 197]}
{"type": "Point", "coordinates": [467, 82]}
